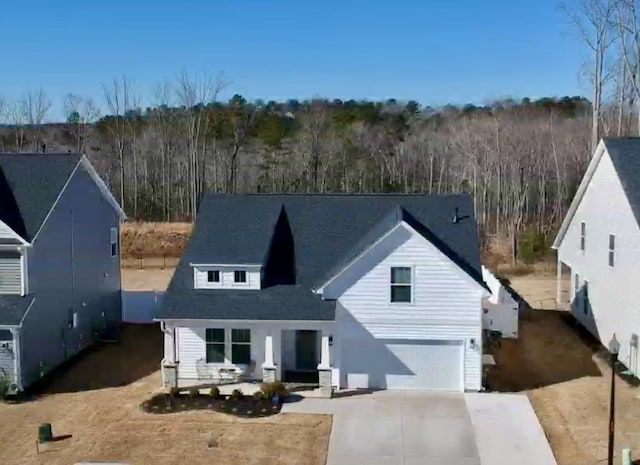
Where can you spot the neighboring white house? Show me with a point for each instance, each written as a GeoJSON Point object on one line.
{"type": "Point", "coordinates": [600, 241]}
{"type": "Point", "coordinates": [352, 291]}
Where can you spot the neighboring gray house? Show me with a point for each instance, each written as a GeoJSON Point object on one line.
{"type": "Point", "coordinates": [354, 291]}
{"type": "Point", "coordinates": [59, 262]}
{"type": "Point", "coordinates": [599, 241]}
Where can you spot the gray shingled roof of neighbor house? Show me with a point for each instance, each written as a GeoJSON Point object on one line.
{"type": "Point", "coordinates": [328, 231]}
{"type": "Point", "coordinates": [13, 308]}
{"type": "Point", "coordinates": [625, 156]}
{"type": "Point", "coordinates": [30, 184]}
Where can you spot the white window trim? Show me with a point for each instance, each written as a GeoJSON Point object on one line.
{"type": "Point", "coordinates": [214, 282]}
{"type": "Point", "coordinates": [246, 283]}
{"type": "Point", "coordinates": [413, 281]}
{"type": "Point", "coordinates": [227, 348]}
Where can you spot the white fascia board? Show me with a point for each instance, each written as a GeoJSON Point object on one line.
{"type": "Point", "coordinates": [84, 162]}
{"type": "Point", "coordinates": [465, 275]}
{"type": "Point", "coordinates": [15, 235]}
{"type": "Point", "coordinates": [320, 290]}
{"type": "Point", "coordinates": [226, 265]}
{"type": "Point", "coordinates": [103, 187]}
{"type": "Point", "coordinates": [582, 188]}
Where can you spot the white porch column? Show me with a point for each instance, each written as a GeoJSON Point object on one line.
{"type": "Point", "coordinates": [268, 353]}
{"type": "Point", "coordinates": [168, 365]}
{"type": "Point", "coordinates": [324, 368]}
{"type": "Point", "coordinates": [268, 367]}
{"type": "Point", "coordinates": [325, 362]}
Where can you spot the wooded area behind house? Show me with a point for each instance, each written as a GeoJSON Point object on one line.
{"type": "Point", "coordinates": [521, 161]}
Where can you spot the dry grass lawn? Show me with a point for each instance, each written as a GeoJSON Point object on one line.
{"type": "Point", "coordinates": [148, 279]}
{"type": "Point", "coordinates": [97, 402]}
{"type": "Point", "coordinates": [141, 239]}
{"type": "Point", "coordinates": [564, 372]}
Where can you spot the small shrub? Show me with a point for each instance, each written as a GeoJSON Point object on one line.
{"type": "Point", "coordinates": [174, 391]}
{"type": "Point", "coordinates": [533, 246]}
{"type": "Point", "coordinates": [271, 389]}
{"type": "Point", "coordinates": [236, 394]}
{"type": "Point", "coordinates": [214, 392]}
{"type": "Point", "coordinates": [5, 384]}
{"type": "Point", "coordinates": [258, 396]}
{"type": "Point", "coordinates": [193, 392]}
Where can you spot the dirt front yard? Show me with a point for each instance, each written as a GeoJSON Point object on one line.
{"type": "Point", "coordinates": [564, 372]}
{"type": "Point", "coordinates": [97, 400]}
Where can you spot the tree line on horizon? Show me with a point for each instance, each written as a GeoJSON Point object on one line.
{"type": "Point", "coordinates": [520, 160]}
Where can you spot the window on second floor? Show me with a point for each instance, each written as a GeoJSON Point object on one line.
{"type": "Point", "coordinates": [213, 276]}
{"type": "Point", "coordinates": [239, 276]}
{"type": "Point", "coordinates": [583, 235]}
{"type": "Point", "coordinates": [612, 250]}
{"type": "Point", "coordinates": [401, 287]}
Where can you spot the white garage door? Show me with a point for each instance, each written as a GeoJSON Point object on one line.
{"type": "Point", "coordinates": [420, 365]}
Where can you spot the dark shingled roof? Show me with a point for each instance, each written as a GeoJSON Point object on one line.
{"type": "Point", "coordinates": [326, 233]}
{"type": "Point", "coordinates": [30, 185]}
{"type": "Point", "coordinates": [13, 308]}
{"type": "Point", "coordinates": [625, 155]}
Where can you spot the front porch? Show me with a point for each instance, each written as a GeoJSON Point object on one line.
{"type": "Point", "coordinates": [207, 353]}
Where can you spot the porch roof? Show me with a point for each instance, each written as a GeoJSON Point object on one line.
{"type": "Point", "coordinates": [284, 302]}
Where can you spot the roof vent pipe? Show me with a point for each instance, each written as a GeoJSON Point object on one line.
{"type": "Point", "coordinates": [455, 218]}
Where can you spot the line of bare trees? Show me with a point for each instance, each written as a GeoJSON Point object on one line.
{"type": "Point", "coordinates": [610, 32]}
{"type": "Point", "coordinates": [521, 161]}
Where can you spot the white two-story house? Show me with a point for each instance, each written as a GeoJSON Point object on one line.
{"type": "Point", "coordinates": [349, 291]}
{"type": "Point", "coordinates": [599, 240]}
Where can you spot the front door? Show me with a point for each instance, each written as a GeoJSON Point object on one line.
{"type": "Point", "coordinates": [306, 350]}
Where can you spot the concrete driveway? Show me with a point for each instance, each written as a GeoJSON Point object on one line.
{"type": "Point", "coordinates": [427, 428]}
{"type": "Point", "coordinates": [389, 428]}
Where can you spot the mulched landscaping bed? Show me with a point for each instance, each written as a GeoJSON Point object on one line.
{"type": "Point", "coordinates": [245, 406]}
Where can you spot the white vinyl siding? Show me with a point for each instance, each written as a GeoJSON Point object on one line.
{"type": "Point", "coordinates": [10, 273]}
{"type": "Point", "coordinates": [447, 306]}
{"type": "Point", "coordinates": [227, 278]}
{"type": "Point", "coordinates": [7, 233]}
{"type": "Point", "coordinates": [613, 293]}
{"type": "Point", "coordinates": [191, 346]}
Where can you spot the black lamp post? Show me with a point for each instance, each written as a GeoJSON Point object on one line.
{"type": "Point", "coordinates": [614, 348]}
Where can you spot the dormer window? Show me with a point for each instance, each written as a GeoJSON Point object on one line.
{"type": "Point", "coordinates": [213, 276]}
{"type": "Point", "coordinates": [240, 276]}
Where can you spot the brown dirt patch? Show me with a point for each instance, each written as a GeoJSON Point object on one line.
{"type": "Point", "coordinates": [565, 374]}
{"type": "Point", "coordinates": [97, 401]}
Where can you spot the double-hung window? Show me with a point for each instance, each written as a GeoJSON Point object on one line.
{"type": "Point", "coordinates": [583, 235]}
{"type": "Point", "coordinates": [401, 286]}
{"type": "Point", "coordinates": [220, 348]}
{"type": "Point", "coordinates": [240, 276]}
{"type": "Point", "coordinates": [215, 345]}
{"type": "Point", "coordinates": [241, 346]}
{"type": "Point", "coordinates": [612, 250]}
{"type": "Point", "coordinates": [213, 276]}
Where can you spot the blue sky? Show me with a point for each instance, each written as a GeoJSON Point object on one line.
{"type": "Point", "coordinates": [435, 52]}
